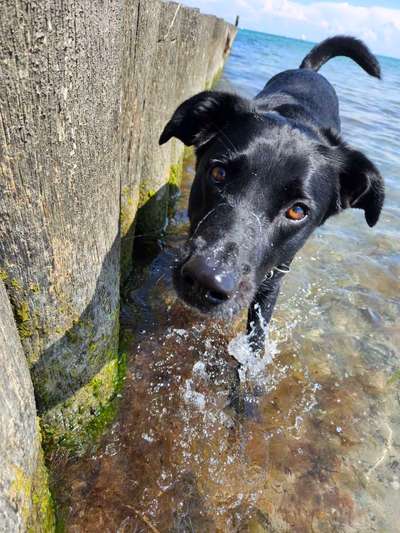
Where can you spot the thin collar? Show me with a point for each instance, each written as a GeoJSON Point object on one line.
{"type": "Point", "coordinates": [279, 269]}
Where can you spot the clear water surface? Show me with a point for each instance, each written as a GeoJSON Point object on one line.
{"type": "Point", "coordinates": [320, 449]}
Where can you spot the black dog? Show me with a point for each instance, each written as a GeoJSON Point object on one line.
{"type": "Point", "coordinates": [269, 171]}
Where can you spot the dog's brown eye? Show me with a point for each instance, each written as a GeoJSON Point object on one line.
{"type": "Point", "coordinates": [218, 174]}
{"type": "Point", "coordinates": [297, 212]}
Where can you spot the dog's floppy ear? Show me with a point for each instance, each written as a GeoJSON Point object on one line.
{"type": "Point", "coordinates": [361, 185]}
{"type": "Point", "coordinates": [200, 117]}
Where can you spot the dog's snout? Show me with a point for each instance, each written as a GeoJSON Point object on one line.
{"type": "Point", "coordinates": [214, 281]}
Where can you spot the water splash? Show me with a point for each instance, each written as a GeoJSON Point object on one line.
{"type": "Point", "coordinates": [252, 364]}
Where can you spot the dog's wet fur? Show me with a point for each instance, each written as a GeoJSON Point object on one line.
{"type": "Point", "coordinates": [258, 162]}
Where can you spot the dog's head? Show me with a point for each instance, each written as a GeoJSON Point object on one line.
{"type": "Point", "coordinates": [263, 183]}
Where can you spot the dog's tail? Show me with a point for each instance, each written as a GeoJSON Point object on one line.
{"type": "Point", "coordinates": [342, 45]}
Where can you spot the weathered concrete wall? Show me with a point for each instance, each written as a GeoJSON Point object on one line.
{"type": "Point", "coordinates": [60, 200]}
{"type": "Point", "coordinates": [141, 23]}
{"type": "Point", "coordinates": [24, 496]}
{"type": "Point", "coordinates": [183, 53]}
{"type": "Point", "coordinates": [86, 89]}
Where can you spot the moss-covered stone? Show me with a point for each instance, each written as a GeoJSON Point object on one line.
{"type": "Point", "coordinates": [145, 195]}
{"type": "Point", "coordinates": [394, 378]}
{"type": "Point", "coordinates": [175, 173]}
{"type": "Point", "coordinates": [20, 491]}
{"type": "Point", "coordinates": [16, 284]}
{"type": "Point", "coordinates": [154, 206]}
{"type": "Point", "coordinates": [37, 510]}
{"type": "Point", "coordinates": [126, 339]}
{"type": "Point", "coordinates": [129, 205]}
{"type": "Point", "coordinates": [174, 182]}
{"type": "Point", "coordinates": [42, 518]}
{"type": "Point", "coordinates": [76, 424]}
{"type": "Point", "coordinates": [211, 83]}
{"type": "Point", "coordinates": [128, 211]}
{"type": "Point", "coordinates": [34, 287]}
{"type": "Point", "coordinates": [27, 323]}
{"type": "Point", "coordinates": [23, 320]}
{"type": "Point", "coordinates": [153, 212]}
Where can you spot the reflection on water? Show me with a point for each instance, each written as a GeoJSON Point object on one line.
{"type": "Point", "coordinates": [319, 447]}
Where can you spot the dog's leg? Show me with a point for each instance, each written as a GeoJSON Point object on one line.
{"type": "Point", "coordinates": [260, 312]}
{"type": "Point", "coordinates": [242, 398]}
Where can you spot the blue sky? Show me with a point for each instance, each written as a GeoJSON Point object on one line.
{"type": "Point", "coordinates": [377, 22]}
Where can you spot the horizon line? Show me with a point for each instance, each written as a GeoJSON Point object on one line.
{"type": "Point", "coordinates": [309, 42]}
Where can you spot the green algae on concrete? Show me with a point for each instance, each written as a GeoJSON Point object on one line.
{"type": "Point", "coordinates": [152, 213]}
{"type": "Point", "coordinates": [75, 423]}
{"type": "Point", "coordinates": [37, 509]}
{"type": "Point", "coordinates": [19, 305]}
{"type": "Point", "coordinates": [25, 501]}
{"type": "Point", "coordinates": [213, 82]}
{"type": "Point", "coordinates": [128, 210]}
{"type": "Point", "coordinates": [20, 491]}
{"type": "Point", "coordinates": [74, 409]}
{"type": "Point", "coordinates": [42, 518]}
{"type": "Point", "coordinates": [129, 202]}
{"type": "Point", "coordinates": [394, 378]}
{"type": "Point", "coordinates": [174, 182]}
{"type": "Point", "coordinates": [155, 206]}
{"type": "Point", "coordinates": [176, 172]}
{"type": "Point", "coordinates": [23, 320]}
{"type": "Point", "coordinates": [78, 422]}
{"type": "Point", "coordinates": [27, 323]}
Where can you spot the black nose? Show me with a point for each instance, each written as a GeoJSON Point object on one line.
{"type": "Point", "coordinates": [217, 283]}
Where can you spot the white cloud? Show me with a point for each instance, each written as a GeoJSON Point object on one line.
{"type": "Point", "coordinates": [378, 26]}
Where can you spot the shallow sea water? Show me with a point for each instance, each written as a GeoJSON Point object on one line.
{"type": "Point", "coordinates": [315, 445]}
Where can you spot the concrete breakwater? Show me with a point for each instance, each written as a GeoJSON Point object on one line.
{"type": "Point", "coordinates": [86, 88]}
{"type": "Point", "coordinates": [24, 497]}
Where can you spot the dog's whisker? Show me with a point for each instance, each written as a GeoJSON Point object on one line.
{"type": "Point", "coordinates": [258, 220]}
{"type": "Point", "coordinates": [201, 222]}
